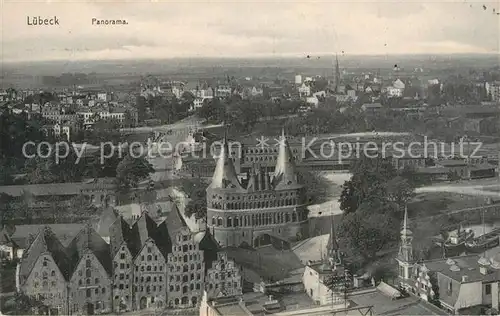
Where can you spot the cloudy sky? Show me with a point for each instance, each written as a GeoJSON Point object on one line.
{"type": "Point", "coordinates": [163, 29]}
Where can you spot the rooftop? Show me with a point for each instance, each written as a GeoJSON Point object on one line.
{"type": "Point", "coordinates": [468, 266]}
{"type": "Point", "coordinates": [385, 305]}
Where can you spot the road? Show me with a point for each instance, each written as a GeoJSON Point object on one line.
{"type": "Point", "coordinates": [162, 161]}
{"type": "Point", "coordinates": [476, 188]}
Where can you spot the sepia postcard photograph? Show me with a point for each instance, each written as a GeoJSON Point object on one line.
{"type": "Point", "coordinates": [237, 157]}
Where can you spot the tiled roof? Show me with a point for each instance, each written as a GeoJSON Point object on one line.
{"type": "Point", "coordinates": [108, 217]}
{"type": "Point", "coordinates": [45, 242]}
{"type": "Point", "coordinates": [209, 245]}
{"type": "Point", "coordinates": [119, 233]}
{"type": "Point", "coordinates": [468, 266]}
{"type": "Point", "coordinates": [174, 220]}
{"type": "Point", "coordinates": [71, 188]}
{"type": "Point", "coordinates": [89, 239]}
{"type": "Point", "coordinates": [285, 174]}
{"type": "Point", "coordinates": [64, 232]}
{"type": "Point", "coordinates": [145, 228]}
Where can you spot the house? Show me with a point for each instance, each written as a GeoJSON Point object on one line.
{"type": "Point", "coordinates": [304, 90]}
{"type": "Point", "coordinates": [223, 278]}
{"type": "Point", "coordinates": [186, 266]}
{"type": "Point", "coordinates": [317, 275]}
{"type": "Point", "coordinates": [89, 284]}
{"type": "Point", "coordinates": [223, 306]}
{"type": "Point", "coordinates": [44, 272]}
{"type": "Point", "coordinates": [456, 282]}
{"type": "Point", "coordinates": [393, 92]}
{"type": "Point", "coordinates": [312, 101]}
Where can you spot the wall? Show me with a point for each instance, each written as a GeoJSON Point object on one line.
{"type": "Point", "coordinates": [470, 295]}
{"type": "Point", "coordinates": [150, 277]}
{"type": "Point", "coordinates": [47, 283]}
{"type": "Point", "coordinates": [90, 284]}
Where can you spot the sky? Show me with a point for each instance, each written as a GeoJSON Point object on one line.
{"type": "Point", "coordinates": [167, 29]}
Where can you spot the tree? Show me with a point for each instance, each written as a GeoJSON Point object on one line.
{"type": "Point", "coordinates": [6, 209]}
{"type": "Point", "coordinates": [399, 190]}
{"type": "Point", "coordinates": [22, 304]}
{"type": "Point", "coordinates": [130, 171]}
{"type": "Point", "coordinates": [195, 188]}
{"type": "Point", "coordinates": [368, 231]}
{"type": "Point", "coordinates": [349, 200]}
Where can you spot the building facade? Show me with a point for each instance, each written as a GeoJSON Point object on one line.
{"type": "Point", "coordinates": [224, 278]}
{"type": "Point", "coordinates": [262, 210]}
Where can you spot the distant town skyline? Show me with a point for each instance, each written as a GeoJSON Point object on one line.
{"type": "Point", "coordinates": [167, 29]}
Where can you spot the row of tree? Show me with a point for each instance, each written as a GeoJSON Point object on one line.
{"type": "Point", "coordinates": [373, 202]}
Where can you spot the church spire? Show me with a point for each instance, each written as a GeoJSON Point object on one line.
{"type": "Point", "coordinates": [406, 249]}
{"type": "Point", "coordinates": [336, 75]}
{"type": "Point", "coordinates": [284, 173]}
{"type": "Point", "coordinates": [225, 176]}
{"type": "Point", "coordinates": [332, 248]}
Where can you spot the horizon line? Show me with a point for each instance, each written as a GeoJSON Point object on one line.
{"type": "Point", "coordinates": [285, 56]}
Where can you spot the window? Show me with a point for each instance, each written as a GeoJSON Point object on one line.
{"type": "Point", "coordinates": [122, 265]}
{"type": "Point", "coordinates": [45, 275]}
{"type": "Point", "coordinates": [488, 289]}
{"type": "Point", "coordinates": [96, 291]}
{"type": "Point", "coordinates": [89, 294]}
{"type": "Point", "coordinates": [53, 273]}
{"type": "Point", "coordinates": [96, 280]}
{"type": "Point", "coordinates": [88, 263]}
{"type": "Point", "coordinates": [450, 287]}
{"type": "Point", "coordinates": [103, 290]}
{"type": "Point", "coordinates": [88, 273]}
{"type": "Point", "coordinates": [122, 256]}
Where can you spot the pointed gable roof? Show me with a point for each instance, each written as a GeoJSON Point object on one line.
{"type": "Point", "coordinates": [209, 246]}
{"type": "Point", "coordinates": [285, 175]}
{"type": "Point", "coordinates": [145, 228]}
{"type": "Point", "coordinates": [165, 244]}
{"type": "Point", "coordinates": [174, 221]}
{"type": "Point", "coordinates": [119, 233]}
{"type": "Point", "coordinates": [225, 176]}
{"type": "Point", "coordinates": [44, 242]}
{"type": "Point", "coordinates": [108, 217]}
{"type": "Point", "coordinates": [89, 240]}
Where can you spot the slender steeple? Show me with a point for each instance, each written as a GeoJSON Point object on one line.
{"type": "Point", "coordinates": [336, 75]}
{"type": "Point", "coordinates": [225, 176]}
{"type": "Point", "coordinates": [285, 175]}
{"type": "Point", "coordinates": [406, 249]}
{"type": "Point", "coordinates": [332, 247]}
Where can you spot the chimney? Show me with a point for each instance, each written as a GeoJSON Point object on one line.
{"type": "Point", "coordinates": [483, 270]}
{"type": "Point", "coordinates": [356, 281]}
{"type": "Point", "coordinates": [465, 278]}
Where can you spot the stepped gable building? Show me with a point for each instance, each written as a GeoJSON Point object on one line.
{"type": "Point", "coordinates": [224, 278]}
{"type": "Point", "coordinates": [149, 249]}
{"type": "Point", "coordinates": [264, 209]}
{"type": "Point", "coordinates": [123, 265]}
{"type": "Point", "coordinates": [44, 271]}
{"type": "Point", "coordinates": [90, 284]}
{"type": "Point", "coordinates": [186, 264]}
